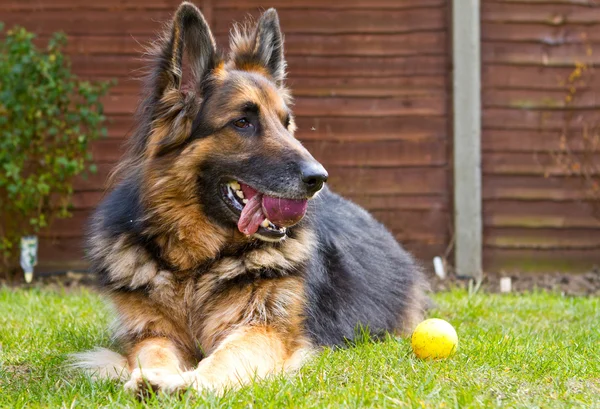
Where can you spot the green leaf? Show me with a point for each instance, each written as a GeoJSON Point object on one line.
{"type": "Point", "coordinates": [48, 116]}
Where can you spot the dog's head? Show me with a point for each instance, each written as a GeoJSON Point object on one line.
{"type": "Point", "coordinates": [217, 150]}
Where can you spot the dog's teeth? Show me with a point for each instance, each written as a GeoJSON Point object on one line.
{"type": "Point", "coordinates": [265, 223]}
{"type": "Point", "coordinates": [239, 194]}
{"type": "Point", "coordinates": [235, 185]}
{"type": "Point", "coordinates": [245, 201]}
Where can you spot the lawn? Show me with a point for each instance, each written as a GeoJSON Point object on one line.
{"type": "Point", "coordinates": [536, 350]}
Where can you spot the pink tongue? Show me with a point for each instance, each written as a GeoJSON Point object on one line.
{"type": "Point", "coordinates": [281, 212]}
{"type": "Point", "coordinates": [252, 216]}
{"type": "Point", "coordinates": [284, 212]}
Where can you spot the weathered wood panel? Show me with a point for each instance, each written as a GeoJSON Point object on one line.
{"type": "Point", "coordinates": [540, 77]}
{"type": "Point", "coordinates": [537, 213]}
{"type": "Point", "coordinates": [369, 78]}
{"type": "Point", "coordinates": [524, 188]}
{"type": "Point", "coordinates": [539, 260]}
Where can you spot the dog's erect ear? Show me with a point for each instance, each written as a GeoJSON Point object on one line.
{"type": "Point", "coordinates": [264, 47]}
{"type": "Point", "coordinates": [190, 33]}
{"type": "Point", "coordinates": [269, 45]}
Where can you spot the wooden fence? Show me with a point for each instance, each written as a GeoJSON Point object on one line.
{"type": "Point", "coordinates": [373, 103]}
{"type": "Point", "coordinates": [536, 212]}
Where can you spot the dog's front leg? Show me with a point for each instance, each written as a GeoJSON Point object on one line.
{"type": "Point", "coordinates": [152, 361]}
{"type": "Point", "coordinates": [247, 353]}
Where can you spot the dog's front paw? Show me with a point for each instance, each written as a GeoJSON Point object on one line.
{"type": "Point", "coordinates": [144, 380]}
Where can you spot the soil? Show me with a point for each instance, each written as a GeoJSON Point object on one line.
{"type": "Point", "coordinates": [580, 284]}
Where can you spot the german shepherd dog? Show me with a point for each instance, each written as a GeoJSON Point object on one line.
{"type": "Point", "coordinates": [223, 252]}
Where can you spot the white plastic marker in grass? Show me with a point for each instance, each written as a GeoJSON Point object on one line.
{"type": "Point", "coordinates": [434, 339]}
{"type": "Point", "coordinates": [29, 246]}
{"type": "Point", "coordinates": [438, 266]}
{"type": "Point", "coordinates": [505, 285]}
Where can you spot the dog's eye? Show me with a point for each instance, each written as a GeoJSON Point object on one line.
{"type": "Point", "coordinates": [242, 123]}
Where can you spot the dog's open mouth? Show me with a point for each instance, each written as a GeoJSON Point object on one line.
{"type": "Point", "coordinates": [259, 213]}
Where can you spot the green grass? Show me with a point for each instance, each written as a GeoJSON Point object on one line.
{"type": "Point", "coordinates": [537, 350]}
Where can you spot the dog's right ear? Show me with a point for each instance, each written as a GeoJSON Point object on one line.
{"type": "Point", "coordinates": [189, 32]}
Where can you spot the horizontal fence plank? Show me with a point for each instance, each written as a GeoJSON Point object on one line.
{"type": "Point", "coordinates": [536, 78]}
{"type": "Point", "coordinates": [381, 153]}
{"type": "Point", "coordinates": [371, 45]}
{"type": "Point", "coordinates": [538, 163]}
{"type": "Point", "coordinates": [108, 150]}
{"type": "Point", "coordinates": [539, 33]}
{"type": "Point", "coordinates": [587, 3]}
{"type": "Point", "coordinates": [371, 129]}
{"type": "Point", "coordinates": [542, 238]}
{"type": "Point", "coordinates": [80, 21]}
{"type": "Point", "coordinates": [542, 99]}
{"type": "Point", "coordinates": [526, 54]}
{"type": "Point", "coordinates": [368, 86]}
{"type": "Point", "coordinates": [96, 181]}
{"type": "Point", "coordinates": [397, 201]}
{"type": "Point", "coordinates": [432, 105]}
{"type": "Point", "coordinates": [85, 200]}
{"type": "Point", "coordinates": [61, 254]}
{"type": "Point", "coordinates": [105, 5]}
{"type": "Point", "coordinates": [502, 187]}
{"type": "Point", "coordinates": [120, 126]}
{"type": "Point", "coordinates": [323, 21]}
{"type": "Point", "coordinates": [549, 141]}
{"type": "Point", "coordinates": [349, 4]}
{"type": "Point", "coordinates": [540, 214]}
{"type": "Point", "coordinates": [369, 181]}
{"type": "Point", "coordinates": [536, 260]}
{"type": "Point", "coordinates": [535, 119]}
{"type": "Point", "coordinates": [550, 14]}
{"type": "Point", "coordinates": [415, 223]}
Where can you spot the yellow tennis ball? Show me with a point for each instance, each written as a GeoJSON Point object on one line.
{"type": "Point", "coordinates": [434, 339]}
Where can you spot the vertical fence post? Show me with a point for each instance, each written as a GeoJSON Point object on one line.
{"type": "Point", "coordinates": [467, 138]}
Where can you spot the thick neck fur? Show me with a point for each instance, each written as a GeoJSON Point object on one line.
{"type": "Point", "coordinates": [135, 248]}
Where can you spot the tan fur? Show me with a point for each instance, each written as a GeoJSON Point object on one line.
{"type": "Point", "coordinates": [246, 354]}
{"type": "Point", "coordinates": [176, 215]}
{"type": "Point", "coordinates": [168, 310]}
{"type": "Point", "coordinates": [156, 353]}
{"type": "Point", "coordinates": [249, 353]}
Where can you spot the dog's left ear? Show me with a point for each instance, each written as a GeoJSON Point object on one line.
{"type": "Point", "coordinates": [269, 45]}
{"type": "Point", "coordinates": [264, 47]}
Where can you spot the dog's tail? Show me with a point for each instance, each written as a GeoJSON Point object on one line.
{"type": "Point", "coordinates": [101, 363]}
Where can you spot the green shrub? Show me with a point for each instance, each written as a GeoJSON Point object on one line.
{"type": "Point", "coordinates": [48, 117]}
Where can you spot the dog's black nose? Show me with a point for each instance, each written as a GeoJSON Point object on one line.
{"type": "Point", "coordinates": [314, 176]}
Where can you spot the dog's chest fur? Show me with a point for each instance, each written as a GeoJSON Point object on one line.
{"type": "Point", "coordinates": [258, 286]}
